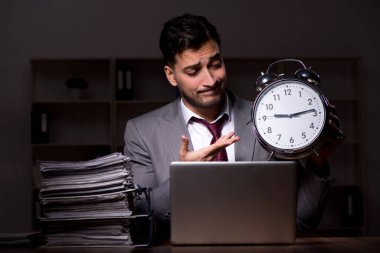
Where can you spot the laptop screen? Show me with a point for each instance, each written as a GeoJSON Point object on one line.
{"type": "Point", "coordinates": [233, 202]}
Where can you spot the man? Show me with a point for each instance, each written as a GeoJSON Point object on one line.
{"type": "Point", "coordinates": [194, 64]}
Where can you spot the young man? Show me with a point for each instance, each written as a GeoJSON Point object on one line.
{"type": "Point", "coordinates": [194, 64]}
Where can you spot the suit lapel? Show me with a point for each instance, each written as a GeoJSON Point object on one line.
{"type": "Point", "coordinates": [173, 127]}
{"type": "Point", "coordinates": [248, 148]}
{"type": "Point", "coordinates": [244, 148]}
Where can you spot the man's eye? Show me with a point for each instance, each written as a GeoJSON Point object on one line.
{"type": "Point", "coordinates": [192, 73]}
{"type": "Point", "coordinates": [216, 65]}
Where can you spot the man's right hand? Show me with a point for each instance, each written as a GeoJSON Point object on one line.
{"type": "Point", "coordinates": [205, 154]}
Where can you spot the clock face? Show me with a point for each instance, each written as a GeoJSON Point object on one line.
{"type": "Point", "coordinates": [289, 115]}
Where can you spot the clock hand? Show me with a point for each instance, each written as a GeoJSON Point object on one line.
{"type": "Point", "coordinates": [300, 113]}
{"type": "Point", "coordinates": [297, 114]}
{"type": "Point", "coordinates": [282, 115]}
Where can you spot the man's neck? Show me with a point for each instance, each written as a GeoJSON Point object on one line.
{"type": "Point", "coordinates": [209, 114]}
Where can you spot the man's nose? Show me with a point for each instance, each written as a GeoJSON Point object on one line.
{"type": "Point", "coordinates": [208, 78]}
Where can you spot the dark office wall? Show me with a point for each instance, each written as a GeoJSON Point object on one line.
{"type": "Point", "coordinates": [125, 28]}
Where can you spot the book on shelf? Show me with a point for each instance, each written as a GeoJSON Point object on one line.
{"type": "Point", "coordinates": [124, 84]}
{"type": "Point", "coordinates": [40, 126]}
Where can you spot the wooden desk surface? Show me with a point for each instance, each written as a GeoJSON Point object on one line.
{"type": "Point", "coordinates": [309, 245]}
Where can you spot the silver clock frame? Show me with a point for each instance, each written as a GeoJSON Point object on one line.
{"type": "Point", "coordinates": [296, 153]}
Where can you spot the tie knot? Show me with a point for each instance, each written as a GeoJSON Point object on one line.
{"type": "Point", "coordinates": [215, 128]}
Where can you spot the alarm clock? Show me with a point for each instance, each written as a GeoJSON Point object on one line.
{"type": "Point", "coordinates": [289, 113]}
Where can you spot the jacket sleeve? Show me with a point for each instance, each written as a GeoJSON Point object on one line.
{"type": "Point", "coordinates": [313, 190]}
{"type": "Point", "coordinates": [143, 169]}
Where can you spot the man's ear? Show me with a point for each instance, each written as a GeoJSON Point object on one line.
{"type": "Point", "coordinates": [169, 72]}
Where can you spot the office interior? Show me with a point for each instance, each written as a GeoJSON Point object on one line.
{"type": "Point", "coordinates": [333, 35]}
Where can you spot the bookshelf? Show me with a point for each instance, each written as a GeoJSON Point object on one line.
{"type": "Point", "coordinates": [90, 124]}
{"type": "Point", "coordinates": [71, 126]}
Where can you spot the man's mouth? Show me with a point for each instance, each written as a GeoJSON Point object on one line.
{"type": "Point", "coordinates": [212, 91]}
{"type": "Point", "coordinates": [208, 91]}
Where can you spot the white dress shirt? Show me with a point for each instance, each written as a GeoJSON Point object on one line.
{"type": "Point", "coordinates": [201, 137]}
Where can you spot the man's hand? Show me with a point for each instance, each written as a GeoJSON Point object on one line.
{"type": "Point", "coordinates": [205, 154]}
{"type": "Point", "coordinates": [332, 137]}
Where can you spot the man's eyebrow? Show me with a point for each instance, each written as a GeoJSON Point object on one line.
{"type": "Point", "coordinates": [194, 66]}
{"type": "Point", "coordinates": [217, 56]}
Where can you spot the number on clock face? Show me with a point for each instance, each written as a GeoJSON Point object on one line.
{"type": "Point", "coordinates": [289, 115]}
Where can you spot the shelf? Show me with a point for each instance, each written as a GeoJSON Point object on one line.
{"type": "Point", "coordinates": [76, 123]}
{"type": "Point", "coordinates": [68, 102]}
{"type": "Point", "coordinates": [50, 77]}
{"type": "Point", "coordinates": [345, 100]}
{"type": "Point", "coordinates": [69, 152]}
{"type": "Point", "coordinates": [63, 145]}
{"type": "Point", "coordinates": [339, 78]}
{"type": "Point", "coordinates": [148, 79]}
{"type": "Point", "coordinates": [333, 232]}
{"type": "Point", "coordinates": [93, 124]}
{"type": "Point", "coordinates": [344, 209]}
{"type": "Point", "coordinates": [345, 163]}
{"type": "Point", "coordinates": [140, 102]}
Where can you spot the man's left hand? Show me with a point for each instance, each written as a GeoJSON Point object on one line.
{"type": "Point", "coordinates": [333, 137]}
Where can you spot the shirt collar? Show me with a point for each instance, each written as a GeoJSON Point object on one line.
{"type": "Point", "coordinates": [187, 113]}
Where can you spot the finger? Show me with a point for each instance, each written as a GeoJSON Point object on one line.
{"type": "Point", "coordinates": [228, 139]}
{"type": "Point", "coordinates": [184, 148]}
{"type": "Point", "coordinates": [223, 142]}
{"type": "Point", "coordinates": [334, 134]}
{"type": "Point", "coordinates": [336, 128]}
{"type": "Point", "coordinates": [334, 119]}
{"type": "Point", "coordinates": [331, 108]}
{"type": "Point", "coordinates": [211, 150]}
{"type": "Point", "coordinates": [231, 137]}
{"type": "Point", "coordinates": [332, 114]}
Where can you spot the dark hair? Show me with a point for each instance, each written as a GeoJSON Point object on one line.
{"type": "Point", "coordinates": [186, 32]}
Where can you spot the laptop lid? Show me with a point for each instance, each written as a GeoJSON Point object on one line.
{"type": "Point", "coordinates": [233, 202]}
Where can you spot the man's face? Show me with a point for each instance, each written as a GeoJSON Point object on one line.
{"type": "Point", "coordinates": [200, 76]}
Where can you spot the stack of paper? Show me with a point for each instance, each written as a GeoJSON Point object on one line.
{"type": "Point", "coordinates": [86, 202]}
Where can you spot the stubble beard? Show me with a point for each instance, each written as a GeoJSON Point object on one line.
{"type": "Point", "coordinates": [198, 101]}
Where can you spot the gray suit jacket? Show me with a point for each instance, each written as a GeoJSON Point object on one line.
{"type": "Point", "coordinates": [153, 141]}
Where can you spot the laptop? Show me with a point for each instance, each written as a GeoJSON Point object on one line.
{"type": "Point", "coordinates": [233, 202]}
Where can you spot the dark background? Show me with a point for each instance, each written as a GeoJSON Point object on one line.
{"type": "Point", "coordinates": [130, 29]}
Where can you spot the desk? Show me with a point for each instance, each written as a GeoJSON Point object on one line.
{"type": "Point", "coordinates": [307, 245]}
